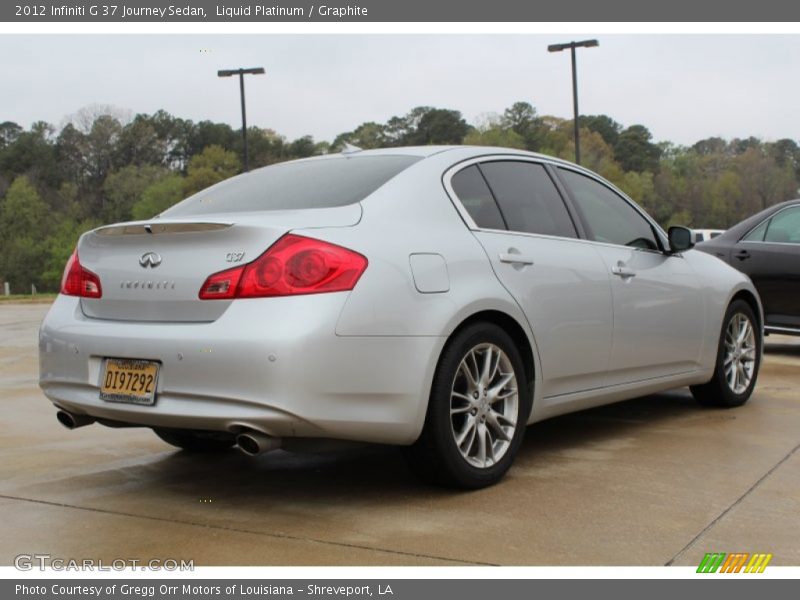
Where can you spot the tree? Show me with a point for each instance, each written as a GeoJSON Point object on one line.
{"type": "Point", "coordinates": [495, 131]}
{"type": "Point", "coordinates": [367, 135]}
{"type": "Point", "coordinates": [59, 246]}
{"type": "Point", "coordinates": [438, 126]}
{"type": "Point", "coordinates": [206, 133]}
{"type": "Point", "coordinates": [100, 146]}
{"type": "Point", "coordinates": [70, 151]}
{"type": "Point", "coordinates": [211, 166]}
{"type": "Point", "coordinates": [522, 119]}
{"type": "Point", "coordinates": [30, 153]}
{"type": "Point", "coordinates": [634, 151]}
{"type": "Point", "coordinates": [607, 127]}
{"type": "Point", "coordinates": [24, 224]}
{"type": "Point", "coordinates": [139, 144]}
{"type": "Point", "coordinates": [712, 145]}
{"type": "Point", "coordinates": [123, 188]}
{"type": "Point", "coordinates": [9, 132]}
{"type": "Point", "coordinates": [302, 147]}
{"type": "Point", "coordinates": [786, 152]}
{"type": "Point", "coordinates": [763, 181]}
{"type": "Point", "coordinates": [158, 197]}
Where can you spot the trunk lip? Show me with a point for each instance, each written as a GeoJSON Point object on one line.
{"type": "Point", "coordinates": [159, 228]}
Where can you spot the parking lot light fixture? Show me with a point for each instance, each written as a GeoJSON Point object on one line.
{"type": "Point", "coordinates": [241, 73]}
{"type": "Point", "coordinates": [571, 46]}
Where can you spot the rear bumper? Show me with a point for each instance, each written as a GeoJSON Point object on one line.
{"type": "Point", "coordinates": [273, 364]}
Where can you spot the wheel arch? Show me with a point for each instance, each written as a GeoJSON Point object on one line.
{"type": "Point", "coordinates": [514, 329]}
{"type": "Point", "coordinates": [752, 300]}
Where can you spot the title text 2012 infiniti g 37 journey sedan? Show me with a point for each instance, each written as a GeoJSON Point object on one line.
{"type": "Point", "coordinates": [439, 298]}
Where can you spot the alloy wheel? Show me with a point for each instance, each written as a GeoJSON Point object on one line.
{"type": "Point", "coordinates": [740, 353]}
{"type": "Point", "coordinates": [484, 405]}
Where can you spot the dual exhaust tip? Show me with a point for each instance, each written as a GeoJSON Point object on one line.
{"type": "Point", "coordinates": [251, 443]}
{"type": "Point", "coordinates": [254, 443]}
{"type": "Point", "coordinates": [73, 421]}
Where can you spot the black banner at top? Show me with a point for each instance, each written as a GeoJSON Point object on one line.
{"type": "Point", "coordinates": [198, 11]}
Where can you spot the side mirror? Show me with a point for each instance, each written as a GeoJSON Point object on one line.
{"type": "Point", "coordinates": [680, 239]}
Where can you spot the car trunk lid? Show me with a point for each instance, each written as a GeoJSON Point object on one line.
{"type": "Point", "coordinates": [153, 270]}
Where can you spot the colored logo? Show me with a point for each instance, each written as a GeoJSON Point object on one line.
{"type": "Point", "coordinates": [737, 562]}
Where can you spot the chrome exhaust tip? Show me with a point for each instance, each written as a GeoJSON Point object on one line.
{"type": "Point", "coordinates": [254, 443]}
{"type": "Point", "coordinates": [71, 421]}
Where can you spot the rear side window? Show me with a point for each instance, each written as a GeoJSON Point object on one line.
{"type": "Point", "coordinates": [470, 187]}
{"type": "Point", "coordinates": [757, 234]}
{"type": "Point", "coordinates": [323, 183]}
{"type": "Point", "coordinates": [528, 198]}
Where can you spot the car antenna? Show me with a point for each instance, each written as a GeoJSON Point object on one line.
{"type": "Point", "coordinates": [350, 149]}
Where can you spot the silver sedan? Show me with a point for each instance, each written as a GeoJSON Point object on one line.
{"type": "Point", "coordinates": [437, 298]}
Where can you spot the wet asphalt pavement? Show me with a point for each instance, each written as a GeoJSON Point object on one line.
{"type": "Point", "coordinates": [652, 481]}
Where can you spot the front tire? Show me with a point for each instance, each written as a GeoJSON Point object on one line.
{"type": "Point", "coordinates": [738, 360]}
{"type": "Point", "coordinates": [196, 441]}
{"type": "Point", "coordinates": [477, 411]}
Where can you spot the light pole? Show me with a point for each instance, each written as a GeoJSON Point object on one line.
{"type": "Point", "coordinates": [241, 73]}
{"type": "Point", "coordinates": [572, 46]}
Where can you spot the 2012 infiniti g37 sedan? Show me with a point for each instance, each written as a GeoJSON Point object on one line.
{"type": "Point", "coordinates": [438, 298]}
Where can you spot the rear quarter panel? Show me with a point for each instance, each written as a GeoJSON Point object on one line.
{"type": "Point", "coordinates": [413, 214]}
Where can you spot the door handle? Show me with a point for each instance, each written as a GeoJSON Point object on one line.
{"type": "Point", "coordinates": [514, 259]}
{"type": "Point", "coordinates": [742, 255]}
{"type": "Point", "coordinates": [622, 271]}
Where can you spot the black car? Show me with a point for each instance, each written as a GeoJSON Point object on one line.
{"type": "Point", "coordinates": [767, 248]}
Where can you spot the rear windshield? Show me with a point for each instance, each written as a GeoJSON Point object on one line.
{"type": "Point", "coordinates": [295, 185]}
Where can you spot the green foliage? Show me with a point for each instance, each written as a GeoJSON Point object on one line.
{"type": "Point", "coordinates": [24, 222]}
{"type": "Point", "coordinates": [60, 245]}
{"type": "Point", "coordinates": [125, 187]}
{"type": "Point", "coordinates": [521, 117]}
{"type": "Point", "coordinates": [634, 151]}
{"type": "Point", "coordinates": [104, 166]}
{"type": "Point", "coordinates": [607, 127]}
{"type": "Point", "coordinates": [211, 166]}
{"type": "Point", "coordinates": [159, 196]}
{"type": "Point", "coordinates": [439, 126]}
{"type": "Point", "coordinates": [496, 131]}
{"type": "Point", "coordinates": [495, 136]}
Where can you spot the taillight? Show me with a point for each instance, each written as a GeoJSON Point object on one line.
{"type": "Point", "coordinates": [79, 281]}
{"type": "Point", "coordinates": [293, 265]}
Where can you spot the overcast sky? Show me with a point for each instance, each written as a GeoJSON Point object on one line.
{"type": "Point", "coordinates": [683, 88]}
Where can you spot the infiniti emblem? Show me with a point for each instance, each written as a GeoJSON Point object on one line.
{"type": "Point", "coordinates": [150, 259]}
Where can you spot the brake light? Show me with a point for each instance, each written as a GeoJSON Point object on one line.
{"type": "Point", "coordinates": [292, 266]}
{"type": "Point", "coordinates": [79, 281]}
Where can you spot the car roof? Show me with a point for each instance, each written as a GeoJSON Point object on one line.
{"type": "Point", "coordinates": [737, 231]}
{"type": "Point", "coordinates": [425, 151]}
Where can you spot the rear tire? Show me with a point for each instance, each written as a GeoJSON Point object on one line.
{"type": "Point", "coordinates": [196, 441]}
{"type": "Point", "coordinates": [477, 411]}
{"type": "Point", "coordinates": [738, 360]}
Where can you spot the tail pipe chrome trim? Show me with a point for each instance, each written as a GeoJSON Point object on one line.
{"type": "Point", "coordinates": [254, 443]}
{"type": "Point", "coordinates": [72, 421]}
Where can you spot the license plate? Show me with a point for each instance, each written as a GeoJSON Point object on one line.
{"type": "Point", "coordinates": [129, 381]}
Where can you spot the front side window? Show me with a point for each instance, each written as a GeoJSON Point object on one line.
{"type": "Point", "coordinates": [609, 217]}
{"type": "Point", "coordinates": [784, 227]}
{"type": "Point", "coordinates": [528, 198]}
